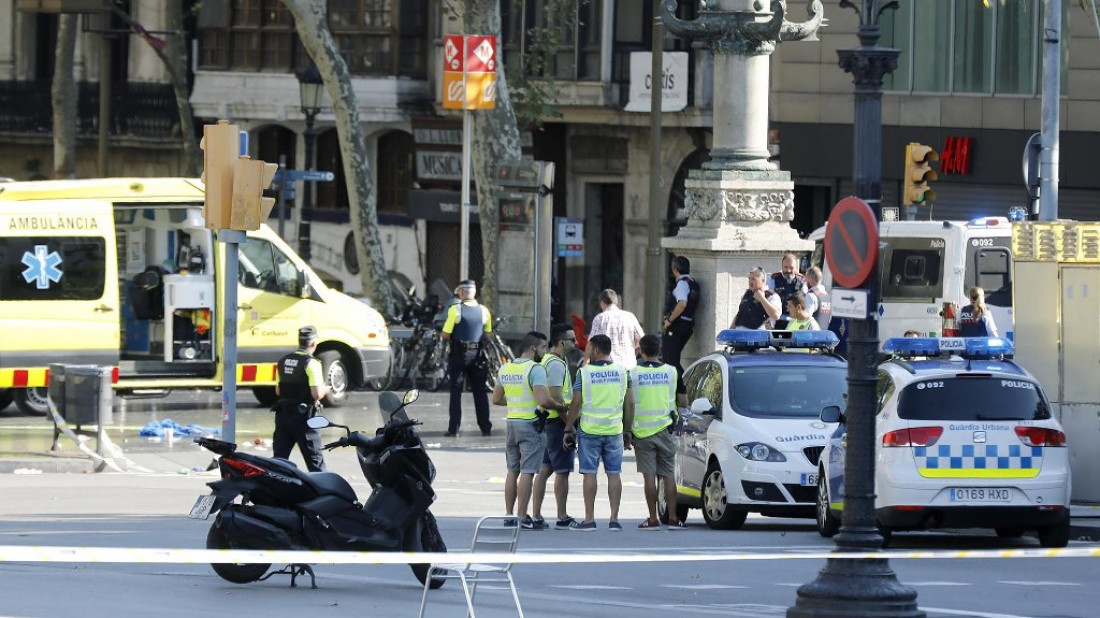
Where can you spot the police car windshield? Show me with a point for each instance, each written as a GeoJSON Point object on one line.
{"type": "Point", "coordinates": [973, 399]}
{"type": "Point", "coordinates": [786, 392]}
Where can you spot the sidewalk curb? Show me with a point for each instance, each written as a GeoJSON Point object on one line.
{"type": "Point", "coordinates": [47, 464]}
{"type": "Point", "coordinates": [1078, 532]}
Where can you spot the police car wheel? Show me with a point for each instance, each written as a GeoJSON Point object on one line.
{"type": "Point", "coordinates": [827, 523]}
{"type": "Point", "coordinates": [1014, 532]}
{"type": "Point", "coordinates": [5, 398]}
{"type": "Point", "coordinates": [31, 401]}
{"type": "Point", "coordinates": [662, 508]}
{"type": "Point", "coordinates": [717, 511]}
{"type": "Point", "coordinates": [1056, 535]}
{"type": "Point", "coordinates": [336, 376]}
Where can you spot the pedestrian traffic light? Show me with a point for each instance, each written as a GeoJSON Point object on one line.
{"type": "Point", "coordinates": [220, 147]}
{"type": "Point", "coordinates": [250, 207]}
{"type": "Point", "coordinates": [918, 171]}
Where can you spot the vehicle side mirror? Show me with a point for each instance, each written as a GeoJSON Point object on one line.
{"type": "Point", "coordinates": [410, 396]}
{"type": "Point", "coordinates": [317, 422]}
{"type": "Point", "coordinates": [702, 406]}
{"type": "Point", "coordinates": [832, 414]}
{"type": "Point", "coordinates": [304, 290]}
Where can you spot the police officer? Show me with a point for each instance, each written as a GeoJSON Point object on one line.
{"type": "Point", "coordinates": [467, 322]}
{"type": "Point", "coordinates": [558, 461]}
{"type": "Point", "coordinates": [818, 301]}
{"type": "Point", "coordinates": [759, 305]}
{"type": "Point", "coordinates": [679, 323]}
{"type": "Point", "coordinates": [301, 386]}
{"type": "Point", "coordinates": [788, 280]}
{"type": "Point", "coordinates": [654, 449]}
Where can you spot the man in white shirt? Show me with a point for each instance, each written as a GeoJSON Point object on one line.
{"type": "Point", "coordinates": [621, 327]}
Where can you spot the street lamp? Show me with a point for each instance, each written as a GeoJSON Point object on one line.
{"type": "Point", "coordinates": [851, 588]}
{"type": "Point", "coordinates": [311, 90]}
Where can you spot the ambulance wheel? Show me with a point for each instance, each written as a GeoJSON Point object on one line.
{"type": "Point", "coordinates": [5, 398]}
{"type": "Point", "coordinates": [717, 511]}
{"type": "Point", "coordinates": [31, 400]}
{"type": "Point", "coordinates": [827, 523]}
{"type": "Point", "coordinates": [265, 395]}
{"type": "Point", "coordinates": [1056, 535]}
{"type": "Point", "coordinates": [336, 376]}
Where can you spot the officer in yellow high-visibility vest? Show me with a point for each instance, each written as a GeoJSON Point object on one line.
{"type": "Point", "coordinates": [521, 385]}
{"type": "Point", "coordinates": [602, 406]}
{"type": "Point", "coordinates": [654, 409]}
{"type": "Point", "coordinates": [558, 460]}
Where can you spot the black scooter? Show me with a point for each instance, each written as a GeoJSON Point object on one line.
{"type": "Point", "coordinates": [284, 508]}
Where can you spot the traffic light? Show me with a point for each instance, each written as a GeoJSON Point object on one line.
{"type": "Point", "coordinates": [918, 172]}
{"type": "Point", "coordinates": [250, 179]}
{"type": "Point", "coordinates": [220, 147]}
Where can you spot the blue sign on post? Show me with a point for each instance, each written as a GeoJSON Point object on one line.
{"type": "Point", "coordinates": [304, 175]}
{"type": "Point", "coordinates": [244, 143]}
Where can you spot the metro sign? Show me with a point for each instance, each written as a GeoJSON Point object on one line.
{"type": "Point", "coordinates": [469, 72]}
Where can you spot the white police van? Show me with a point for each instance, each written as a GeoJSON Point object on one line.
{"type": "Point", "coordinates": [964, 438]}
{"type": "Point", "coordinates": [751, 439]}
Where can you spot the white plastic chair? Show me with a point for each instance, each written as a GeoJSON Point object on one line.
{"type": "Point", "coordinates": [492, 534]}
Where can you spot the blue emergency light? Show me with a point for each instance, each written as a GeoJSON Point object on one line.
{"type": "Point", "coordinates": [971, 348]}
{"type": "Point", "coordinates": [744, 339]}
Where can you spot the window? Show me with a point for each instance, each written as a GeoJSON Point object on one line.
{"type": "Point", "coordinates": [912, 269]}
{"type": "Point", "coordinates": [786, 392]}
{"type": "Point", "coordinates": [263, 267]}
{"type": "Point", "coordinates": [52, 268]}
{"type": "Point", "coordinates": [885, 389]}
{"type": "Point", "coordinates": [989, 267]}
{"type": "Point", "coordinates": [711, 386]}
{"type": "Point", "coordinates": [968, 46]}
{"type": "Point", "coordinates": [528, 28]}
{"type": "Point", "coordinates": [983, 398]}
{"type": "Point", "coordinates": [395, 168]}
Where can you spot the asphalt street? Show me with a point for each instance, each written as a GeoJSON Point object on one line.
{"type": "Point", "coordinates": [147, 507]}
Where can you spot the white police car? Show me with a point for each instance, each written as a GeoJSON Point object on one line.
{"type": "Point", "coordinates": [964, 438]}
{"type": "Point", "coordinates": [752, 437]}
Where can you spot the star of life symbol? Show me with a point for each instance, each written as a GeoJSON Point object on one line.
{"type": "Point", "coordinates": [42, 268]}
{"type": "Point", "coordinates": [484, 53]}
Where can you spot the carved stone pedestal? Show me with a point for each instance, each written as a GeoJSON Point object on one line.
{"type": "Point", "coordinates": [737, 220]}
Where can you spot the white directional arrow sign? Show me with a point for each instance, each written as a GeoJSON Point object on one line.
{"type": "Point", "coordinates": [849, 303]}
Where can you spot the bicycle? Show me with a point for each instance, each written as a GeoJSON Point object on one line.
{"type": "Point", "coordinates": [495, 352]}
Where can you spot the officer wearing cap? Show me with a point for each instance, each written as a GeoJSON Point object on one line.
{"type": "Point", "coordinates": [301, 386]}
{"type": "Point", "coordinates": [467, 322]}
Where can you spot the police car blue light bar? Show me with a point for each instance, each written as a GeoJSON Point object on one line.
{"type": "Point", "coordinates": [743, 339]}
{"type": "Point", "coordinates": [973, 348]}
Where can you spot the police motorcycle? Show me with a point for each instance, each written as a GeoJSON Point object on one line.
{"type": "Point", "coordinates": [285, 508]}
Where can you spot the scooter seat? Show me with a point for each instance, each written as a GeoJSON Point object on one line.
{"type": "Point", "coordinates": [331, 484]}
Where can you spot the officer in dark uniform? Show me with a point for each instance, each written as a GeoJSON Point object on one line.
{"type": "Point", "coordinates": [679, 322]}
{"type": "Point", "coordinates": [301, 386]}
{"type": "Point", "coordinates": [467, 322]}
{"type": "Point", "coordinates": [788, 280]}
{"type": "Point", "coordinates": [759, 306]}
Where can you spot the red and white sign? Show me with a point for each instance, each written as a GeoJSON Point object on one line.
{"type": "Point", "coordinates": [469, 72]}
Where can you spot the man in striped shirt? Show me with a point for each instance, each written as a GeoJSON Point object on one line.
{"type": "Point", "coordinates": [621, 327]}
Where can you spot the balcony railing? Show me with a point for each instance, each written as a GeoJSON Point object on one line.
{"type": "Point", "coordinates": [137, 110]}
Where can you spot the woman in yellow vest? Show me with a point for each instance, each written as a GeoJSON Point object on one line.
{"type": "Point", "coordinates": [654, 409]}
{"type": "Point", "coordinates": [603, 404]}
{"type": "Point", "coordinates": [521, 386]}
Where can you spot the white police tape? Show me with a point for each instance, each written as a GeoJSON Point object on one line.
{"type": "Point", "coordinates": [50, 553]}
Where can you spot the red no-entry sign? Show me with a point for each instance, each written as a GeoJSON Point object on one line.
{"type": "Point", "coordinates": [851, 242]}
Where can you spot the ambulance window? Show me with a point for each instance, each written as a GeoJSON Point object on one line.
{"type": "Point", "coordinates": [973, 399]}
{"type": "Point", "coordinates": [62, 268]}
{"type": "Point", "coordinates": [912, 269]}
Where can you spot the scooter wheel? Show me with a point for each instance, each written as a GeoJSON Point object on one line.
{"type": "Point", "coordinates": [234, 573]}
{"type": "Point", "coordinates": [429, 540]}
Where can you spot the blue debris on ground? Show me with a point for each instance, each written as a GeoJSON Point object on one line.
{"type": "Point", "coordinates": [157, 429]}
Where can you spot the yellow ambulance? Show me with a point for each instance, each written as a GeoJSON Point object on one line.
{"type": "Point", "coordinates": [122, 272]}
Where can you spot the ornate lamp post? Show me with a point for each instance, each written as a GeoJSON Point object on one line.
{"type": "Point", "coordinates": [311, 90]}
{"type": "Point", "coordinates": [866, 587]}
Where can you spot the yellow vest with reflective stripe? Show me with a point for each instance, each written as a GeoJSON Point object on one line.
{"type": "Point", "coordinates": [604, 390]}
{"type": "Point", "coordinates": [567, 382]}
{"type": "Point", "coordinates": [654, 397]}
{"type": "Point", "coordinates": [514, 379]}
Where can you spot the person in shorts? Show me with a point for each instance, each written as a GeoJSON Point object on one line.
{"type": "Point", "coordinates": [602, 405]}
{"type": "Point", "coordinates": [521, 385]}
{"type": "Point", "coordinates": [558, 460]}
{"type": "Point", "coordinates": [654, 385]}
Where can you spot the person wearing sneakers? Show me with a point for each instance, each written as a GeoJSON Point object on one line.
{"type": "Point", "coordinates": [602, 405]}
{"type": "Point", "coordinates": [654, 409]}
{"type": "Point", "coordinates": [557, 461]}
{"type": "Point", "coordinates": [521, 385]}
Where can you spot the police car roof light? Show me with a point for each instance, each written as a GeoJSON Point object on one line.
{"type": "Point", "coordinates": [987, 221]}
{"type": "Point", "coordinates": [971, 348]}
{"type": "Point", "coordinates": [743, 339]}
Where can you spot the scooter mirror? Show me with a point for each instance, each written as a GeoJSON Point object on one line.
{"type": "Point", "coordinates": [410, 396]}
{"type": "Point", "coordinates": [318, 422]}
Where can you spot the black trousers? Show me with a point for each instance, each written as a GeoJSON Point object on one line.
{"type": "Point", "coordinates": [291, 429]}
{"type": "Point", "coordinates": [468, 365]}
{"type": "Point", "coordinates": [673, 341]}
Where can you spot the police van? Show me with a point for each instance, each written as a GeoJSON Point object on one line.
{"type": "Point", "coordinates": [964, 438]}
{"type": "Point", "coordinates": [927, 263]}
{"type": "Point", "coordinates": [123, 273]}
